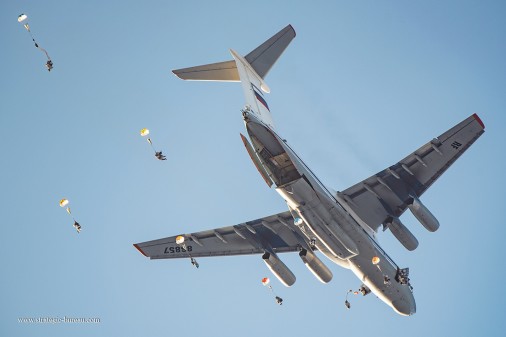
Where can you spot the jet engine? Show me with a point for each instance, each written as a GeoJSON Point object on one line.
{"type": "Point", "coordinates": [422, 213]}
{"type": "Point", "coordinates": [402, 234]}
{"type": "Point", "coordinates": [316, 266]}
{"type": "Point", "coordinates": [279, 269]}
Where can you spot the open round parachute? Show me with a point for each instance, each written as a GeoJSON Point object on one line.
{"type": "Point", "coordinates": [64, 202]}
{"type": "Point", "coordinates": [22, 17]}
{"type": "Point", "coordinates": [144, 132]}
{"type": "Point", "coordinates": [375, 260]}
{"type": "Point", "coordinates": [265, 281]}
{"type": "Point", "coordinates": [180, 239]}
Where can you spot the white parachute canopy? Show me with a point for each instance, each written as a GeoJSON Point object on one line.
{"type": "Point", "coordinates": [64, 202]}
{"type": "Point", "coordinates": [22, 17]}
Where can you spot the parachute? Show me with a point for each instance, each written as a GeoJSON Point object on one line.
{"type": "Point", "coordinates": [64, 202]}
{"type": "Point", "coordinates": [23, 19]}
{"type": "Point", "coordinates": [180, 242]}
{"type": "Point", "coordinates": [375, 261]}
{"type": "Point", "coordinates": [158, 154]}
{"type": "Point", "coordinates": [265, 282]}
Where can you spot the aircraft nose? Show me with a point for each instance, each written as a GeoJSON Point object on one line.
{"type": "Point", "coordinates": [404, 306]}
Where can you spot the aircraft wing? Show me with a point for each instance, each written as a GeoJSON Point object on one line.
{"type": "Point", "coordinates": [386, 193]}
{"type": "Point", "coordinates": [272, 233]}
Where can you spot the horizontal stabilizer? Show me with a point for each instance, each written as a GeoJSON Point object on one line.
{"type": "Point", "coordinates": [221, 71]}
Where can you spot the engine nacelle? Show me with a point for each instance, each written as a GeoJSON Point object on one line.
{"type": "Point", "coordinates": [423, 214]}
{"type": "Point", "coordinates": [402, 234]}
{"type": "Point", "coordinates": [316, 266]}
{"type": "Point", "coordinates": [279, 269]}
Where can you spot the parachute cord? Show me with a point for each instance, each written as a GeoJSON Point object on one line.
{"type": "Point", "coordinates": [37, 45]}
{"type": "Point", "coordinates": [33, 39]}
{"type": "Point", "coordinates": [47, 55]}
{"type": "Point", "coordinates": [346, 302]}
{"type": "Point", "coordinates": [192, 259]}
{"type": "Point", "coordinates": [272, 290]}
{"type": "Point", "coordinates": [151, 143]}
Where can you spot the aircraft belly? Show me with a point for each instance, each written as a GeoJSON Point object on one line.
{"type": "Point", "coordinates": [296, 185]}
{"type": "Point", "coordinates": [304, 202]}
{"type": "Point", "coordinates": [271, 153]}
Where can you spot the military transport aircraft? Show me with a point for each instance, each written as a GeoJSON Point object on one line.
{"type": "Point", "coordinates": [341, 225]}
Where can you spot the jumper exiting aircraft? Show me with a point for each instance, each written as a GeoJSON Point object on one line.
{"type": "Point", "coordinates": [341, 225]}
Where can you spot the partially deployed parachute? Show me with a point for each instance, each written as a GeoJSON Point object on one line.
{"type": "Point", "coordinates": [180, 241]}
{"type": "Point", "coordinates": [23, 18]}
{"type": "Point", "coordinates": [265, 282]}
{"type": "Point", "coordinates": [64, 202]}
{"type": "Point", "coordinates": [158, 154]}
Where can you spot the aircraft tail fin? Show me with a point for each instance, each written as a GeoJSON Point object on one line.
{"type": "Point", "coordinates": [264, 56]}
{"type": "Point", "coordinates": [249, 70]}
{"type": "Point", "coordinates": [261, 60]}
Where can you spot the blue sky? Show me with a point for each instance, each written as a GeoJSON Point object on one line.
{"type": "Point", "coordinates": [362, 85]}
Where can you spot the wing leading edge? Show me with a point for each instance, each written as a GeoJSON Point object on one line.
{"type": "Point", "coordinates": [388, 193]}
